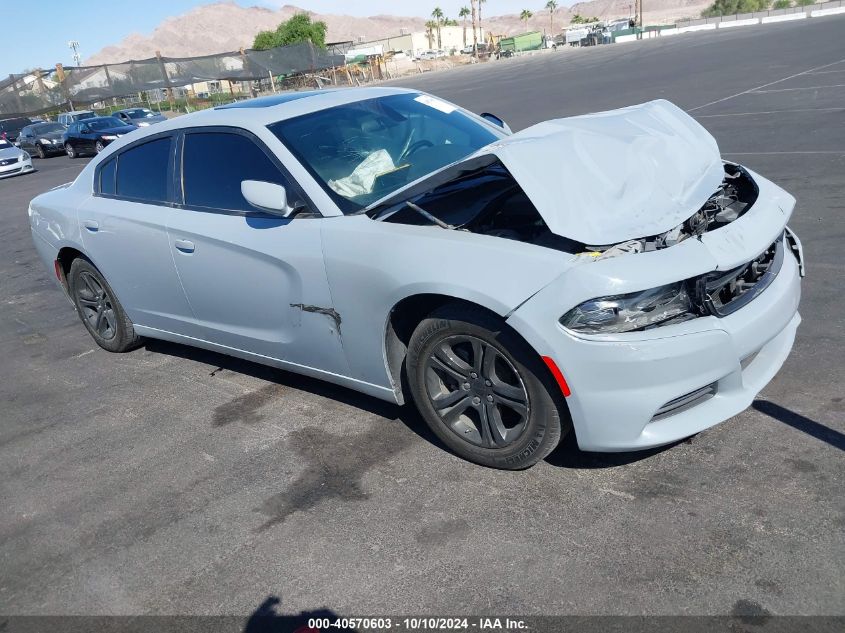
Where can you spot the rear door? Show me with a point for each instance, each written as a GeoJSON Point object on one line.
{"type": "Point", "coordinates": [255, 282]}
{"type": "Point", "coordinates": [124, 232]}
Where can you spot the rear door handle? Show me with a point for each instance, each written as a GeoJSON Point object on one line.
{"type": "Point", "coordinates": [184, 245]}
{"type": "Point", "coordinates": [92, 226]}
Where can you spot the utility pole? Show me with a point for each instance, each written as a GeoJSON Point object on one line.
{"type": "Point", "coordinates": [74, 45]}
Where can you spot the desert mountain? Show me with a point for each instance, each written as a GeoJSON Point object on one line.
{"type": "Point", "coordinates": [226, 26]}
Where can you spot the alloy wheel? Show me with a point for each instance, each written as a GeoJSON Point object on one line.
{"type": "Point", "coordinates": [96, 306]}
{"type": "Point", "coordinates": [99, 146]}
{"type": "Point", "coordinates": [476, 391]}
{"type": "Point", "coordinates": [41, 152]}
{"type": "Point", "coordinates": [70, 151]}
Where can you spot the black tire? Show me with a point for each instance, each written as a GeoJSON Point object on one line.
{"type": "Point", "coordinates": [98, 308]}
{"type": "Point", "coordinates": [70, 151]}
{"type": "Point", "coordinates": [39, 149]}
{"type": "Point", "coordinates": [518, 436]}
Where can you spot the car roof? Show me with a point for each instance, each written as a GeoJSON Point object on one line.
{"type": "Point", "coordinates": [266, 110]}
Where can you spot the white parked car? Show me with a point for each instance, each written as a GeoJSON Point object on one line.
{"type": "Point", "coordinates": [13, 160]}
{"type": "Point", "coordinates": [608, 274]}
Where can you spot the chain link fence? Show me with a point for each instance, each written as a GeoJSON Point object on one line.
{"type": "Point", "coordinates": [39, 91]}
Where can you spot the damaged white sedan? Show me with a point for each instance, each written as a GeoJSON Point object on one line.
{"type": "Point", "coordinates": [607, 274]}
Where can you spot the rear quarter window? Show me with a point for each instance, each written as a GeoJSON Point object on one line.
{"type": "Point", "coordinates": [142, 171]}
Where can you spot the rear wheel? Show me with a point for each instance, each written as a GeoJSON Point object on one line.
{"type": "Point", "coordinates": [99, 309]}
{"type": "Point", "coordinates": [70, 151]}
{"type": "Point", "coordinates": [482, 390]}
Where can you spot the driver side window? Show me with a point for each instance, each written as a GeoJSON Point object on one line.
{"type": "Point", "coordinates": [215, 163]}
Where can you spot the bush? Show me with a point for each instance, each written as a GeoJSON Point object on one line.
{"type": "Point", "coordinates": [730, 7]}
{"type": "Point", "coordinates": [298, 29]}
{"type": "Point", "coordinates": [781, 4]}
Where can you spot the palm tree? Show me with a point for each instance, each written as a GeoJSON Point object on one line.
{"type": "Point", "coordinates": [551, 5]}
{"type": "Point", "coordinates": [430, 26]}
{"type": "Point", "coordinates": [463, 13]}
{"type": "Point", "coordinates": [525, 16]}
{"type": "Point", "coordinates": [474, 5]}
{"type": "Point", "coordinates": [437, 14]}
{"type": "Point", "coordinates": [480, 2]}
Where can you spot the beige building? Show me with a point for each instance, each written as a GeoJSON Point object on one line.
{"type": "Point", "coordinates": [451, 38]}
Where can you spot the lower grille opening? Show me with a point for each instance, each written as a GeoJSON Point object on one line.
{"type": "Point", "coordinates": [687, 401]}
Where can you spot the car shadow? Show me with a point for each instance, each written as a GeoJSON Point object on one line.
{"type": "Point", "coordinates": [566, 455]}
{"type": "Point", "coordinates": [407, 413]}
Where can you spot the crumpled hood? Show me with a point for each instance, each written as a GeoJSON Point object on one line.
{"type": "Point", "coordinates": [613, 176]}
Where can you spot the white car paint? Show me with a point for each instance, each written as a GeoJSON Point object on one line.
{"type": "Point", "coordinates": [363, 268]}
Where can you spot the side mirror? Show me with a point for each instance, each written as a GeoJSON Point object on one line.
{"type": "Point", "coordinates": [86, 129]}
{"type": "Point", "coordinates": [267, 196]}
{"type": "Point", "coordinates": [496, 121]}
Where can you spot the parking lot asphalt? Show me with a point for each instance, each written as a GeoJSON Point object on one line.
{"type": "Point", "coordinates": [171, 480]}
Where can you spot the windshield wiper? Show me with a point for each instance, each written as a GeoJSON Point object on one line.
{"type": "Point", "coordinates": [431, 218]}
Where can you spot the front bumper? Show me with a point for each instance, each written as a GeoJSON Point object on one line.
{"type": "Point", "coordinates": [621, 385]}
{"type": "Point", "coordinates": [14, 169]}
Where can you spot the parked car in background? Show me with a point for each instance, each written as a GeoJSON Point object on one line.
{"type": "Point", "coordinates": [142, 117]}
{"type": "Point", "coordinates": [66, 118]}
{"type": "Point", "coordinates": [91, 135]}
{"type": "Point", "coordinates": [43, 139]}
{"type": "Point", "coordinates": [13, 160]}
{"type": "Point", "coordinates": [624, 282]}
{"type": "Point", "coordinates": [11, 128]}
{"type": "Point", "coordinates": [428, 55]}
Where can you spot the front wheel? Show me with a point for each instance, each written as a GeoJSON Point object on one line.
{"type": "Point", "coordinates": [482, 390]}
{"type": "Point", "coordinates": [39, 149]}
{"type": "Point", "coordinates": [99, 146]}
{"type": "Point", "coordinates": [70, 151]}
{"type": "Point", "coordinates": [100, 311]}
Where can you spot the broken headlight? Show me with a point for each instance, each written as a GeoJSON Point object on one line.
{"type": "Point", "coordinates": [629, 312]}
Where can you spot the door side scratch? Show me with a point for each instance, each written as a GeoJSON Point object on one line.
{"type": "Point", "coordinates": [329, 312]}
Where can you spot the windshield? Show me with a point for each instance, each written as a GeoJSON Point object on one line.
{"type": "Point", "coordinates": [139, 113]}
{"type": "Point", "coordinates": [360, 152]}
{"type": "Point", "coordinates": [48, 128]}
{"type": "Point", "coordinates": [105, 123]}
{"type": "Point", "coordinates": [84, 115]}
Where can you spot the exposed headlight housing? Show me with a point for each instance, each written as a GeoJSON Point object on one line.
{"type": "Point", "coordinates": [630, 312]}
{"type": "Point", "coordinates": [46, 141]}
{"type": "Point", "coordinates": [109, 137]}
{"type": "Point", "coordinates": [24, 156]}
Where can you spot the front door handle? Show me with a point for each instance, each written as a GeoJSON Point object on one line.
{"type": "Point", "coordinates": [184, 245]}
{"type": "Point", "coordinates": [92, 226]}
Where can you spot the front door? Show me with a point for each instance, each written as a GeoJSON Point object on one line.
{"type": "Point", "coordinates": [254, 282]}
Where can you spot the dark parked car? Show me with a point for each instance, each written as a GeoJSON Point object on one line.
{"type": "Point", "coordinates": [142, 117]}
{"type": "Point", "coordinates": [42, 139]}
{"type": "Point", "coordinates": [10, 128]}
{"type": "Point", "coordinates": [92, 135]}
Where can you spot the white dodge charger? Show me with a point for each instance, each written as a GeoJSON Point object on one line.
{"type": "Point", "coordinates": [607, 274]}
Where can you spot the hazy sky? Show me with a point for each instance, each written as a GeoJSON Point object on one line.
{"type": "Point", "coordinates": [36, 32]}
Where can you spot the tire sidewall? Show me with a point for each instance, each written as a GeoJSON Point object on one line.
{"type": "Point", "coordinates": [124, 337]}
{"type": "Point", "coordinates": [39, 149]}
{"type": "Point", "coordinates": [543, 431]}
{"type": "Point", "coordinates": [70, 151]}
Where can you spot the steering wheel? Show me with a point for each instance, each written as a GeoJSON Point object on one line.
{"type": "Point", "coordinates": [417, 146]}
